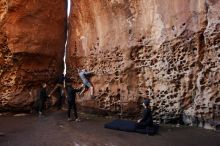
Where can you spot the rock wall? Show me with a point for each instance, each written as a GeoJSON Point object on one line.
{"type": "Point", "coordinates": [32, 38]}
{"type": "Point", "coordinates": [167, 51]}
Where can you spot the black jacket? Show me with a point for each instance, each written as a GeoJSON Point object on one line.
{"type": "Point", "coordinates": [71, 93]}
{"type": "Point", "coordinates": [43, 94]}
{"type": "Point", "coordinates": [147, 119]}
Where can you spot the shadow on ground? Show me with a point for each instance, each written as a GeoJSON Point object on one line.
{"type": "Point", "coordinates": [53, 129]}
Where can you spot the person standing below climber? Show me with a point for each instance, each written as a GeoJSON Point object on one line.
{"type": "Point", "coordinates": [86, 84]}
{"type": "Point", "coordinates": [70, 93]}
{"type": "Point", "coordinates": [42, 99]}
{"type": "Point", "coordinates": [146, 120]}
{"type": "Point", "coordinates": [59, 88]}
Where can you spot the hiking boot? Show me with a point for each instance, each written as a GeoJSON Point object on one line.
{"type": "Point", "coordinates": [40, 114]}
{"type": "Point", "coordinates": [77, 120]}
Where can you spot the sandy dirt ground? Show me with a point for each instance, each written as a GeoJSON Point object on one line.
{"type": "Point", "coordinates": [53, 129]}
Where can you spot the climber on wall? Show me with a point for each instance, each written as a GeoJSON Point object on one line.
{"type": "Point", "coordinates": [59, 88]}
{"type": "Point", "coordinates": [86, 84]}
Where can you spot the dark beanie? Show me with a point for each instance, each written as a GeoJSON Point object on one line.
{"type": "Point", "coordinates": [146, 102]}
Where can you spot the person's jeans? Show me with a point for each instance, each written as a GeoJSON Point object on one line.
{"type": "Point", "coordinates": [60, 102]}
{"type": "Point", "coordinates": [41, 105]}
{"type": "Point", "coordinates": [72, 105]}
{"type": "Point", "coordinates": [140, 125]}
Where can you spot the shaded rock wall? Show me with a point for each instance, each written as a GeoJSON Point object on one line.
{"type": "Point", "coordinates": [167, 51]}
{"type": "Point", "coordinates": [32, 38]}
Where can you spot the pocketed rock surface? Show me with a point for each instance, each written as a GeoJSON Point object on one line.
{"type": "Point", "coordinates": [167, 51]}
{"type": "Point", "coordinates": [32, 38]}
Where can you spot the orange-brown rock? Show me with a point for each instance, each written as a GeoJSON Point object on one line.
{"type": "Point", "coordinates": [165, 50]}
{"type": "Point", "coordinates": [32, 38]}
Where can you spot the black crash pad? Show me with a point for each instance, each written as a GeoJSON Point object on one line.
{"type": "Point", "coordinates": [129, 126]}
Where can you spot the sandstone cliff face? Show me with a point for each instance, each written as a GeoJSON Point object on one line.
{"type": "Point", "coordinates": [167, 51]}
{"type": "Point", "coordinates": [32, 38]}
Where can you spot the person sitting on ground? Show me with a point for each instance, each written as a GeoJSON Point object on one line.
{"type": "Point", "coordinates": [59, 89]}
{"type": "Point", "coordinates": [71, 99]}
{"type": "Point", "coordinates": [86, 84]}
{"type": "Point", "coordinates": [42, 99]}
{"type": "Point", "coordinates": [146, 120]}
